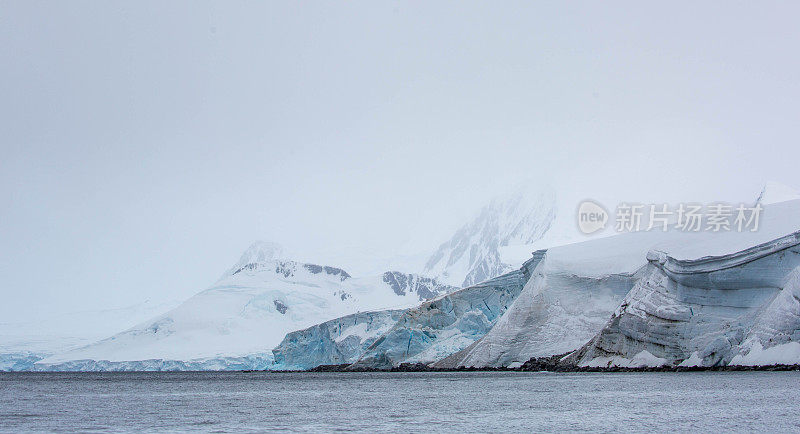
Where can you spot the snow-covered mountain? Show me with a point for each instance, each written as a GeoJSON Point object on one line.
{"type": "Point", "coordinates": [247, 313]}
{"type": "Point", "coordinates": [558, 301]}
{"type": "Point", "coordinates": [473, 253]}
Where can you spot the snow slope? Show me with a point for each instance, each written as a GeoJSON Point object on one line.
{"type": "Point", "coordinates": [236, 323]}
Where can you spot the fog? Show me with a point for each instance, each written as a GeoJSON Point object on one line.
{"type": "Point", "coordinates": [145, 145]}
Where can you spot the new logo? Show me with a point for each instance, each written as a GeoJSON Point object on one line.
{"type": "Point", "coordinates": [592, 217]}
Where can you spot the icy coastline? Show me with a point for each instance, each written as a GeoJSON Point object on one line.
{"type": "Point", "coordinates": [641, 300]}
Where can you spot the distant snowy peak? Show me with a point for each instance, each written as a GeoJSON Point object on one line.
{"type": "Point", "coordinates": [775, 192]}
{"type": "Point", "coordinates": [472, 253]}
{"type": "Point", "coordinates": [260, 252]}
{"type": "Point", "coordinates": [263, 255]}
{"type": "Point", "coordinates": [523, 216]}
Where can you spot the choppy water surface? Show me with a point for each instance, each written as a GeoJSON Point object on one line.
{"type": "Point", "coordinates": [505, 401]}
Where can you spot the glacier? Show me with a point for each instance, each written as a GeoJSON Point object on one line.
{"type": "Point", "coordinates": [235, 323]}
{"type": "Point", "coordinates": [647, 298]}
{"type": "Point", "coordinates": [730, 298]}
{"type": "Point", "coordinates": [383, 339]}
{"type": "Point", "coordinates": [255, 361]}
{"type": "Point", "coordinates": [266, 295]}
{"type": "Point", "coordinates": [444, 325]}
{"type": "Point", "coordinates": [19, 360]}
{"type": "Point", "coordinates": [657, 298]}
{"type": "Point", "coordinates": [447, 324]}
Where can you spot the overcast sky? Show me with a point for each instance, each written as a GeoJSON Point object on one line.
{"type": "Point", "coordinates": [145, 145]}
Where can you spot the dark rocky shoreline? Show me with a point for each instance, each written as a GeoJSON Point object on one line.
{"type": "Point", "coordinates": [553, 364]}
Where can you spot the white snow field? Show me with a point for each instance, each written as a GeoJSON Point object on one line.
{"type": "Point", "coordinates": [775, 192]}
{"type": "Point", "coordinates": [236, 323]}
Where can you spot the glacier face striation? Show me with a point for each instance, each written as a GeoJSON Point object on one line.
{"type": "Point", "coordinates": [730, 298]}
{"type": "Point", "coordinates": [707, 311]}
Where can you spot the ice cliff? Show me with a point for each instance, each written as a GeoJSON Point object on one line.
{"type": "Point", "coordinates": [426, 333]}
{"type": "Point", "coordinates": [338, 341]}
{"type": "Point", "coordinates": [731, 298]}
{"type": "Point", "coordinates": [440, 327]}
{"type": "Point", "coordinates": [19, 360]}
{"type": "Point", "coordinates": [652, 298]}
{"type": "Point", "coordinates": [447, 324]}
{"type": "Point", "coordinates": [569, 297]}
